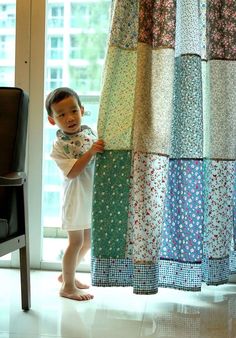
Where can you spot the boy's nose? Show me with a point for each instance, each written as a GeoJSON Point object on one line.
{"type": "Point", "coordinates": [70, 117]}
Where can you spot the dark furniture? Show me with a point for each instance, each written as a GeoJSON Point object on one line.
{"type": "Point", "coordinates": [13, 192]}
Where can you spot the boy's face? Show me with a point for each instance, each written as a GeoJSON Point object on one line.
{"type": "Point", "coordinates": [67, 115]}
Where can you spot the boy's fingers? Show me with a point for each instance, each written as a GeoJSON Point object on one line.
{"type": "Point", "coordinates": [100, 142]}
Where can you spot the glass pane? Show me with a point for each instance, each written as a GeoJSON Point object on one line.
{"type": "Point", "coordinates": [7, 50]}
{"type": "Point", "coordinates": [76, 41]}
{"type": "Point", "coordinates": [7, 42]}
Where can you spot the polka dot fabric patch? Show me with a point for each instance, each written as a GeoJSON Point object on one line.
{"type": "Point", "coordinates": [110, 204]}
{"type": "Point", "coordinates": [183, 225]}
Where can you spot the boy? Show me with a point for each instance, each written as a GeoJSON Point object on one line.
{"type": "Point", "coordinates": [74, 152]}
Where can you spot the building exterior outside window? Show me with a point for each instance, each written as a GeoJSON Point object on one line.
{"type": "Point", "coordinates": [7, 42]}
{"type": "Point", "coordinates": [75, 42]}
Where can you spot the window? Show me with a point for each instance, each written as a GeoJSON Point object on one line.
{"type": "Point", "coordinates": [55, 15]}
{"type": "Point", "coordinates": [79, 78]}
{"type": "Point", "coordinates": [79, 14]}
{"type": "Point", "coordinates": [54, 78]}
{"type": "Point", "coordinates": [7, 15]}
{"type": "Point", "coordinates": [7, 76]}
{"type": "Point", "coordinates": [76, 51]}
{"type": "Point", "coordinates": [7, 43]}
{"type": "Point", "coordinates": [55, 47]}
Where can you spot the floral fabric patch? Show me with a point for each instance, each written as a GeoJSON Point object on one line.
{"type": "Point", "coordinates": [187, 124]}
{"type": "Point", "coordinates": [124, 24]}
{"type": "Point", "coordinates": [117, 102]}
{"type": "Point", "coordinates": [153, 100]}
{"type": "Point", "coordinates": [219, 208]}
{"type": "Point", "coordinates": [146, 206]}
{"type": "Point", "coordinates": [221, 28]}
{"type": "Point", "coordinates": [158, 27]}
{"type": "Point", "coordinates": [219, 109]}
{"type": "Point", "coordinates": [188, 28]}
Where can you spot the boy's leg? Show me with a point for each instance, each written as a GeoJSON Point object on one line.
{"type": "Point", "coordinates": [82, 252]}
{"type": "Point", "coordinates": [84, 249]}
{"type": "Point", "coordinates": [85, 246]}
{"type": "Point", "coordinates": [68, 288]}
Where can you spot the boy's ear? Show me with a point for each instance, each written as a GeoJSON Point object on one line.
{"type": "Point", "coordinates": [51, 120]}
{"type": "Point", "coordinates": [82, 110]}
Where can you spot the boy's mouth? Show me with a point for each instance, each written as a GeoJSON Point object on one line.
{"type": "Point", "coordinates": [72, 125]}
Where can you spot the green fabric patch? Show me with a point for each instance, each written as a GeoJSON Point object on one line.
{"type": "Point", "coordinates": [187, 126]}
{"type": "Point", "coordinates": [117, 99]}
{"type": "Point", "coordinates": [110, 204]}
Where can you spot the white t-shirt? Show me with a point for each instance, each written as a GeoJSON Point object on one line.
{"type": "Point", "coordinates": [78, 192]}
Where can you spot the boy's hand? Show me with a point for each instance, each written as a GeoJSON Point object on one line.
{"type": "Point", "coordinates": [97, 147]}
{"type": "Point", "coordinates": [80, 164]}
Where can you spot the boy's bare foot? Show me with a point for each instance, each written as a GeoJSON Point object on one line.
{"type": "Point", "coordinates": [78, 284]}
{"type": "Point", "coordinates": [75, 294]}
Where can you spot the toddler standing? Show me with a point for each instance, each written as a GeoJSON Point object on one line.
{"type": "Point", "coordinates": [74, 152]}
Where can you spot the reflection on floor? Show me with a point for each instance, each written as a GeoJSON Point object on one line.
{"type": "Point", "coordinates": [114, 312]}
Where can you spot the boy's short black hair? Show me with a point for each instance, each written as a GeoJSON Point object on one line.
{"type": "Point", "coordinates": [58, 95]}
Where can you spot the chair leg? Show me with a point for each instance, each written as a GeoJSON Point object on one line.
{"type": "Point", "coordinates": [25, 278]}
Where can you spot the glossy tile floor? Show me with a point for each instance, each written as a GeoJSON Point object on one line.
{"type": "Point", "coordinates": [114, 312]}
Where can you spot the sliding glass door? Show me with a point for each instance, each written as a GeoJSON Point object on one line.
{"type": "Point", "coordinates": [7, 50]}
{"type": "Point", "coordinates": [44, 45]}
{"type": "Point", "coordinates": [76, 36]}
{"type": "Point", "coordinates": [12, 14]}
{"type": "Point", "coordinates": [7, 42]}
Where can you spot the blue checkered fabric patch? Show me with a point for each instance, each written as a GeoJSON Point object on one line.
{"type": "Point", "coordinates": [180, 275]}
{"type": "Point", "coordinates": [232, 262]}
{"type": "Point", "coordinates": [112, 272]}
{"type": "Point", "coordinates": [215, 270]}
{"type": "Point", "coordinates": [146, 278]}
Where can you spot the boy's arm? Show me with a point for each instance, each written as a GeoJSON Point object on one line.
{"type": "Point", "coordinates": [82, 162]}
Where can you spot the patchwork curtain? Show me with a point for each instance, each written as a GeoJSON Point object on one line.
{"type": "Point", "coordinates": [164, 190]}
